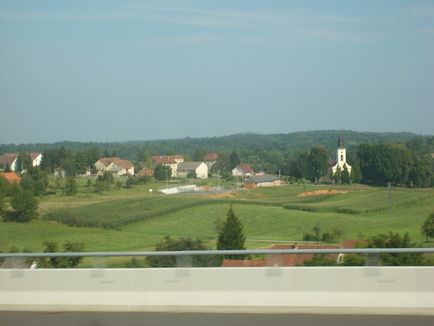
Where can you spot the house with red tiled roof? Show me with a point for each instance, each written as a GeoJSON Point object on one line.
{"type": "Point", "coordinates": [211, 157]}
{"type": "Point", "coordinates": [169, 160]}
{"type": "Point", "coordinates": [243, 170]}
{"type": "Point", "coordinates": [290, 260]}
{"type": "Point", "coordinates": [114, 165]}
{"type": "Point", "coordinates": [10, 160]}
{"type": "Point", "coordinates": [11, 177]}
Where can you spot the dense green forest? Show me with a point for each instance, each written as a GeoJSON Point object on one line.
{"type": "Point", "coordinates": [248, 143]}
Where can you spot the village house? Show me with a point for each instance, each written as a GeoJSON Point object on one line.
{"type": "Point", "coordinates": [210, 159]}
{"type": "Point", "coordinates": [114, 165]}
{"type": "Point", "coordinates": [242, 170]}
{"type": "Point", "coordinates": [169, 160]}
{"type": "Point", "coordinates": [10, 160]}
{"type": "Point", "coordinates": [263, 180]}
{"type": "Point", "coordinates": [200, 169]}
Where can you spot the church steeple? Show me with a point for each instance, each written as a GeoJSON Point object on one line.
{"type": "Point", "coordinates": [341, 140]}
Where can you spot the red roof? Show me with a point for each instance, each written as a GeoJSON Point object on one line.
{"type": "Point", "coordinates": [34, 155]}
{"type": "Point", "coordinates": [8, 158]}
{"type": "Point", "coordinates": [168, 159]}
{"type": "Point", "coordinates": [146, 172]}
{"type": "Point", "coordinates": [297, 259]}
{"type": "Point", "coordinates": [243, 263]}
{"type": "Point", "coordinates": [11, 177]}
{"type": "Point", "coordinates": [245, 168]}
{"type": "Point", "coordinates": [116, 160]}
{"type": "Point", "coordinates": [211, 157]}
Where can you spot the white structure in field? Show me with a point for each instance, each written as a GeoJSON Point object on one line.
{"type": "Point", "coordinates": [341, 157]}
{"type": "Point", "coordinates": [200, 169]}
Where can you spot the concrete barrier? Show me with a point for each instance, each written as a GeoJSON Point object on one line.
{"type": "Point", "coordinates": [386, 290]}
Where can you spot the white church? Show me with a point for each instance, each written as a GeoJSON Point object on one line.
{"type": "Point", "coordinates": [341, 157]}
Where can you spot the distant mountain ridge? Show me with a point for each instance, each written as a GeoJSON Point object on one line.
{"type": "Point", "coordinates": [286, 143]}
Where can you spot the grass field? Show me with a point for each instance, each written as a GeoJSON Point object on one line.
{"type": "Point", "coordinates": [135, 219]}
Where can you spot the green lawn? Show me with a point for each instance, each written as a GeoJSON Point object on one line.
{"type": "Point", "coordinates": [261, 211]}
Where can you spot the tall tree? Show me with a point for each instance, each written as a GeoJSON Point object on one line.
{"type": "Point", "coordinates": [231, 236]}
{"type": "Point", "coordinates": [198, 155]}
{"type": "Point", "coordinates": [162, 172]}
{"type": "Point", "coordinates": [25, 206]}
{"type": "Point", "coordinates": [345, 176]}
{"type": "Point", "coordinates": [318, 163]}
{"type": "Point", "coordinates": [70, 186]}
{"type": "Point", "coordinates": [234, 160]}
{"type": "Point", "coordinates": [427, 228]}
{"type": "Point", "coordinates": [23, 162]}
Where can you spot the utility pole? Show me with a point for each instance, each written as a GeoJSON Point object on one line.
{"type": "Point", "coordinates": [167, 182]}
{"type": "Point", "coordinates": [389, 186]}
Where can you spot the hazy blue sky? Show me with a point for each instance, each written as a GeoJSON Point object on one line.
{"type": "Point", "coordinates": [122, 70]}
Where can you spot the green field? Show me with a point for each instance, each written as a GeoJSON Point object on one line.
{"type": "Point", "coordinates": [136, 219]}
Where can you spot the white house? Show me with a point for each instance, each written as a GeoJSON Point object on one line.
{"type": "Point", "coordinates": [114, 165]}
{"type": "Point", "coordinates": [199, 168]}
{"type": "Point", "coordinates": [10, 159]}
{"type": "Point", "coordinates": [36, 158]}
{"type": "Point", "coordinates": [341, 157]}
{"type": "Point", "coordinates": [169, 160]}
{"type": "Point", "coordinates": [243, 170]}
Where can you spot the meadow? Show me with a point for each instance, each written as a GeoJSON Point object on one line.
{"type": "Point", "coordinates": [136, 219]}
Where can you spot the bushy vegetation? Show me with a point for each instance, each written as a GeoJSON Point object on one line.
{"type": "Point", "coordinates": [388, 240]}
{"type": "Point", "coordinates": [24, 205]}
{"type": "Point", "coordinates": [182, 244]}
{"type": "Point", "coordinates": [61, 262]}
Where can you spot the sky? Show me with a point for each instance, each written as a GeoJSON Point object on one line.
{"type": "Point", "coordinates": [88, 70]}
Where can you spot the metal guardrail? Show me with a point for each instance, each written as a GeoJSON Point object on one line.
{"type": "Point", "coordinates": [218, 252]}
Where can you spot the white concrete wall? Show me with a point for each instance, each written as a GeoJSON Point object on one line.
{"type": "Point", "coordinates": [401, 290]}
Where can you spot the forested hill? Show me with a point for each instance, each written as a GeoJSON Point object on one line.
{"type": "Point", "coordinates": [284, 143]}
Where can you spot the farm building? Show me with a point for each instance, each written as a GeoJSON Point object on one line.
{"type": "Point", "coordinates": [200, 169]}
{"type": "Point", "coordinates": [264, 180]}
{"type": "Point", "coordinates": [243, 170]}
